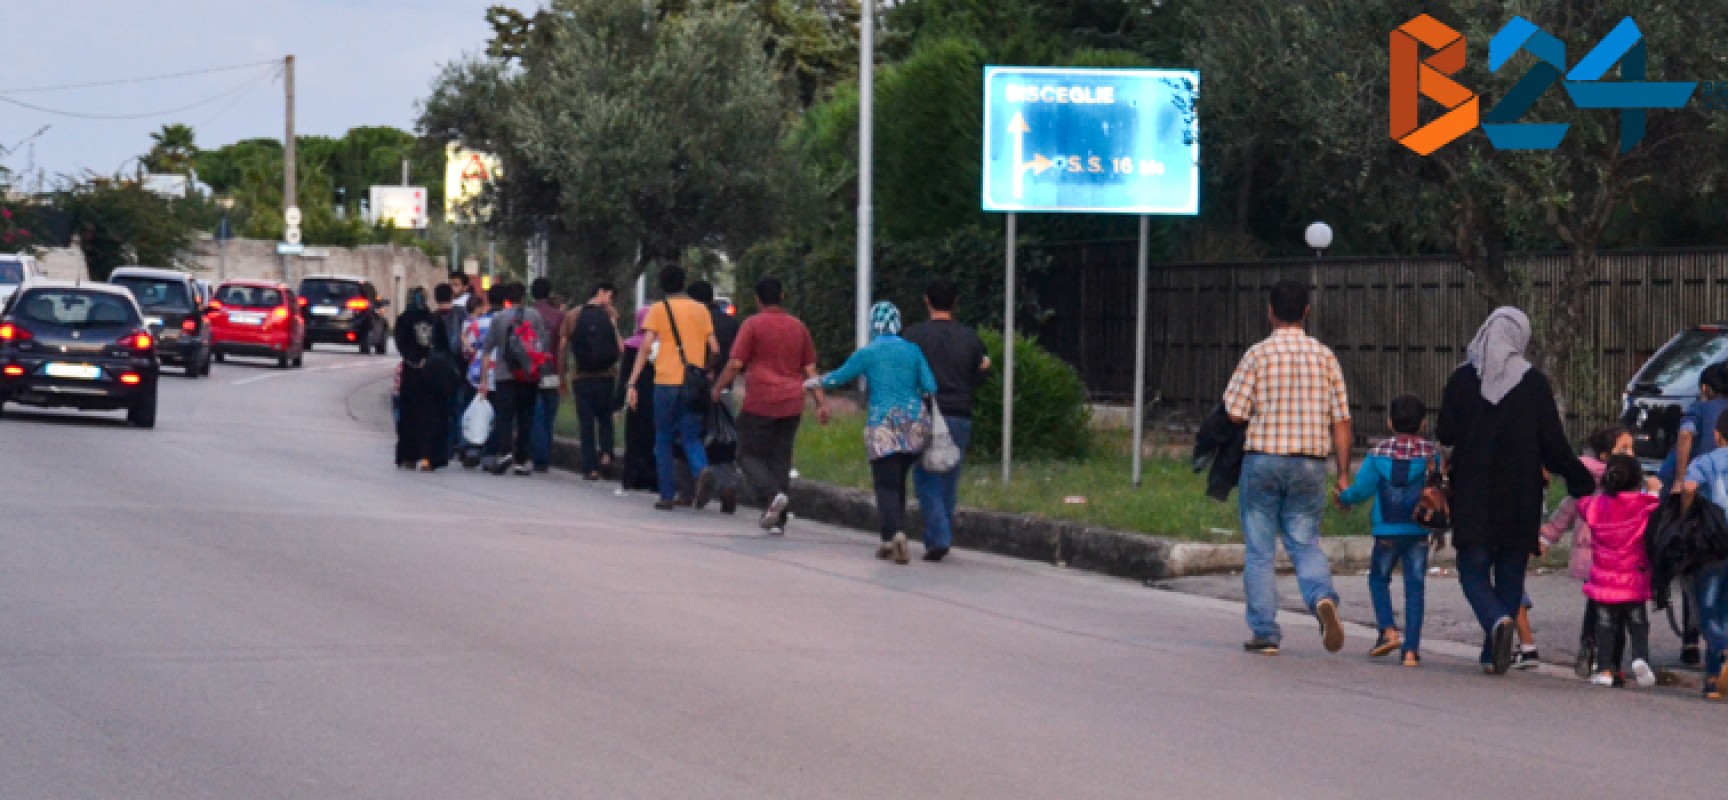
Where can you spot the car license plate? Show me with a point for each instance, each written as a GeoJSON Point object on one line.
{"type": "Point", "coordinates": [325, 311]}
{"type": "Point", "coordinates": [246, 319]}
{"type": "Point", "coordinates": [78, 372]}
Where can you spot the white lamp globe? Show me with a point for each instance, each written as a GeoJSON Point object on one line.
{"type": "Point", "coordinates": [1318, 236]}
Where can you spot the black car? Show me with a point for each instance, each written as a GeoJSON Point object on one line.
{"type": "Point", "coordinates": [1663, 388]}
{"type": "Point", "coordinates": [80, 346]}
{"type": "Point", "coordinates": [174, 309]}
{"type": "Point", "coordinates": [341, 309]}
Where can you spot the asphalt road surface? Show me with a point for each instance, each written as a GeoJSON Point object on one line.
{"type": "Point", "coordinates": [250, 602]}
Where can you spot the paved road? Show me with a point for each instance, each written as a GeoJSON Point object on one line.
{"type": "Point", "coordinates": [249, 602]}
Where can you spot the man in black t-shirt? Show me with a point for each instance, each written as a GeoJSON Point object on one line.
{"type": "Point", "coordinates": [958, 360]}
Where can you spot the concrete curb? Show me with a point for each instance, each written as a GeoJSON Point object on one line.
{"type": "Point", "coordinates": [1123, 554]}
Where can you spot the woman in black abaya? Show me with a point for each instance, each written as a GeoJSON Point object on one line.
{"type": "Point", "coordinates": [428, 378]}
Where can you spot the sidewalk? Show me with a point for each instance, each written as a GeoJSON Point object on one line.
{"type": "Point", "coordinates": [1555, 619]}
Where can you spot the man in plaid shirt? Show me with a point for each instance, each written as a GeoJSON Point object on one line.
{"type": "Point", "coordinates": [1289, 391]}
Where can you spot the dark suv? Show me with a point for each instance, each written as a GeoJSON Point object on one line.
{"type": "Point", "coordinates": [78, 346]}
{"type": "Point", "coordinates": [174, 308]}
{"type": "Point", "coordinates": [340, 309]}
{"type": "Point", "coordinates": [1658, 395]}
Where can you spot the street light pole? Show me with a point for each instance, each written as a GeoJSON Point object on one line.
{"type": "Point", "coordinates": [866, 162]}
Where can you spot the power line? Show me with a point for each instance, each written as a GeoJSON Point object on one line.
{"type": "Point", "coordinates": [83, 115]}
{"type": "Point", "coordinates": [272, 75]}
{"type": "Point", "coordinates": [144, 79]}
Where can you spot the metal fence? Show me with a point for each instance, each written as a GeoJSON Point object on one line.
{"type": "Point", "coordinates": [1397, 324]}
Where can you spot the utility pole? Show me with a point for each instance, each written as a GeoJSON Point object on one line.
{"type": "Point", "coordinates": [866, 162]}
{"type": "Point", "coordinates": [289, 199]}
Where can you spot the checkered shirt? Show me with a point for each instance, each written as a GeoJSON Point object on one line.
{"type": "Point", "coordinates": [1291, 390]}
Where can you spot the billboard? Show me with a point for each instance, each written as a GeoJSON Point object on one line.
{"type": "Point", "coordinates": [402, 206]}
{"type": "Point", "coordinates": [1092, 141]}
{"type": "Point", "coordinates": [466, 173]}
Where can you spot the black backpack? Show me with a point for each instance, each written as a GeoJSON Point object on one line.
{"type": "Point", "coordinates": [594, 342]}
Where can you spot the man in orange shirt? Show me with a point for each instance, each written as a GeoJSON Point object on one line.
{"type": "Point", "coordinates": [685, 333]}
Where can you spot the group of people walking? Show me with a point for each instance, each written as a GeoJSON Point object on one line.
{"type": "Point", "coordinates": [1500, 442]}
{"type": "Point", "coordinates": [676, 377]}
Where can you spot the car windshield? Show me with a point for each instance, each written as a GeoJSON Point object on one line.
{"type": "Point", "coordinates": [1680, 362]}
{"type": "Point", "coordinates": [72, 308]}
{"type": "Point", "coordinates": [329, 292]}
{"type": "Point", "coordinates": [11, 273]}
{"type": "Point", "coordinates": [158, 293]}
{"type": "Point", "coordinates": [248, 297]}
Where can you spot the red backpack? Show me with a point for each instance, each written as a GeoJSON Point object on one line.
{"type": "Point", "coordinates": [522, 351]}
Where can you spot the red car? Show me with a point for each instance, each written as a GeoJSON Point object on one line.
{"type": "Point", "coordinates": [259, 319]}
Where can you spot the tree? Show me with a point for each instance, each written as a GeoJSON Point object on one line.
{"type": "Point", "coordinates": [174, 150]}
{"type": "Point", "coordinates": [117, 223]}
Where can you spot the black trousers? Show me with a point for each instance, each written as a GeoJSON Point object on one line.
{"type": "Point", "coordinates": [765, 454]}
{"type": "Point", "coordinates": [889, 475]}
{"type": "Point", "coordinates": [1614, 621]}
{"type": "Point", "coordinates": [513, 418]}
{"type": "Point", "coordinates": [594, 419]}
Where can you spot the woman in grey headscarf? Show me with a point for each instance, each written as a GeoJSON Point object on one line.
{"type": "Point", "coordinates": [1503, 425]}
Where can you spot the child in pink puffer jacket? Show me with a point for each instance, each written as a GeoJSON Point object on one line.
{"type": "Point", "coordinates": [1619, 582]}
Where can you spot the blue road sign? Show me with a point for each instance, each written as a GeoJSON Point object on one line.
{"type": "Point", "coordinates": [1091, 141]}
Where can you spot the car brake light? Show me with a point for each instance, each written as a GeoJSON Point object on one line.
{"type": "Point", "coordinates": [350, 336]}
{"type": "Point", "coordinates": [189, 325]}
{"type": "Point", "coordinates": [138, 341]}
{"type": "Point", "coordinates": [13, 371]}
{"type": "Point", "coordinates": [131, 379]}
{"type": "Point", "coordinates": [279, 313]}
{"type": "Point", "coordinates": [12, 333]}
{"type": "Point", "coordinates": [215, 305]}
{"type": "Point", "coordinates": [302, 302]}
{"type": "Point", "coordinates": [358, 304]}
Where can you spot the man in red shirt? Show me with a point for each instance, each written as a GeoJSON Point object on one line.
{"type": "Point", "coordinates": [776, 354]}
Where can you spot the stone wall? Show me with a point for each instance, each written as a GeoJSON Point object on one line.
{"type": "Point", "coordinates": [392, 269]}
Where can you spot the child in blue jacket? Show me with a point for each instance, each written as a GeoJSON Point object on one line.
{"type": "Point", "coordinates": [1393, 475]}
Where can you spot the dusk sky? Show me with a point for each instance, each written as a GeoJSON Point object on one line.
{"type": "Point", "coordinates": [360, 62]}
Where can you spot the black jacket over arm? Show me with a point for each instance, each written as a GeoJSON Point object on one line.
{"type": "Point", "coordinates": [1499, 452]}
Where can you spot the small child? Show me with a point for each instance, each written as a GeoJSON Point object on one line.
{"type": "Point", "coordinates": [1605, 443]}
{"type": "Point", "coordinates": [1709, 475]}
{"type": "Point", "coordinates": [1394, 474]}
{"type": "Point", "coordinates": [1619, 583]}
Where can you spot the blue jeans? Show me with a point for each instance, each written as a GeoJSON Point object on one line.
{"type": "Point", "coordinates": [1412, 553]}
{"type": "Point", "coordinates": [545, 413]}
{"type": "Point", "coordinates": [1282, 496]}
{"type": "Point", "coordinates": [673, 422]}
{"type": "Point", "coordinates": [939, 493]}
{"type": "Point", "coordinates": [1493, 582]}
{"type": "Point", "coordinates": [1711, 589]}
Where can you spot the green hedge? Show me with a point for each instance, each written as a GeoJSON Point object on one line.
{"type": "Point", "coordinates": [1051, 419]}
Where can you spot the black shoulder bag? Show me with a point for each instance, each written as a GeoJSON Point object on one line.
{"type": "Point", "coordinates": [696, 390]}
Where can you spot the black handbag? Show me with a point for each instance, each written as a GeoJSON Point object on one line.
{"type": "Point", "coordinates": [696, 392]}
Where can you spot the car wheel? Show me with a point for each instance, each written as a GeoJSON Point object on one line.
{"type": "Point", "coordinates": [307, 346]}
{"type": "Point", "coordinates": [192, 369]}
{"type": "Point", "coordinates": [219, 358]}
{"type": "Point", "coordinates": [365, 347]}
{"type": "Point", "coordinates": [142, 414]}
{"type": "Point", "coordinates": [205, 370]}
{"type": "Point", "coordinates": [282, 361]}
{"type": "Point", "coordinates": [300, 359]}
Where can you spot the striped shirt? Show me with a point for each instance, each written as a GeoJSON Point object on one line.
{"type": "Point", "coordinates": [1291, 390]}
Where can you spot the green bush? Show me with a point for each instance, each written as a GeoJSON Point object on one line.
{"type": "Point", "coordinates": [1051, 420]}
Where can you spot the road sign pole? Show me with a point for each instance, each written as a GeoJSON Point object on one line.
{"type": "Point", "coordinates": [1008, 361]}
{"type": "Point", "coordinates": [1140, 351]}
{"type": "Point", "coordinates": [866, 164]}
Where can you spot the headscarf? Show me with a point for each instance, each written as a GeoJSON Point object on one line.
{"type": "Point", "coordinates": [417, 300]}
{"type": "Point", "coordinates": [884, 319]}
{"type": "Point", "coordinates": [1497, 353]}
{"type": "Point", "coordinates": [635, 339]}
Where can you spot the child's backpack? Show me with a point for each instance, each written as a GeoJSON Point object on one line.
{"type": "Point", "coordinates": [522, 351]}
{"type": "Point", "coordinates": [1402, 489]}
{"type": "Point", "coordinates": [594, 343]}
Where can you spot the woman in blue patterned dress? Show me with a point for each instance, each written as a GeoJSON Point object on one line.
{"type": "Point", "coordinates": [898, 378]}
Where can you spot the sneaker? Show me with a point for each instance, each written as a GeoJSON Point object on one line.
{"type": "Point", "coordinates": [704, 488]}
{"type": "Point", "coordinates": [1585, 661]}
{"type": "Point", "coordinates": [1384, 645]}
{"type": "Point", "coordinates": [1642, 672]}
{"type": "Point", "coordinates": [885, 551]}
{"type": "Point", "coordinates": [1265, 647]}
{"type": "Point", "coordinates": [684, 501]}
{"type": "Point", "coordinates": [1712, 689]}
{"type": "Point", "coordinates": [1602, 679]}
{"type": "Point", "coordinates": [776, 511]}
{"type": "Point", "coordinates": [665, 505]}
{"type": "Point", "coordinates": [902, 555]}
{"type": "Point", "coordinates": [1502, 636]}
{"type": "Point", "coordinates": [501, 466]}
{"type": "Point", "coordinates": [1526, 658]}
{"type": "Point", "coordinates": [1412, 659]}
{"type": "Point", "coordinates": [523, 469]}
{"type": "Point", "coordinates": [776, 531]}
{"type": "Point", "coordinates": [1691, 656]}
{"type": "Point", "coordinates": [935, 554]}
{"type": "Point", "coordinates": [1331, 631]}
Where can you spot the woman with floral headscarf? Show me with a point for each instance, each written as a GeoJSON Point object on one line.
{"type": "Point", "coordinates": [898, 378]}
{"type": "Point", "coordinates": [1503, 425]}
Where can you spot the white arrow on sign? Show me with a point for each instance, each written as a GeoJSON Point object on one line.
{"type": "Point", "coordinates": [1019, 128]}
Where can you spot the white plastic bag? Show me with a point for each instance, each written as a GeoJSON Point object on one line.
{"type": "Point", "coordinates": [942, 455]}
{"type": "Point", "coordinates": [477, 422]}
